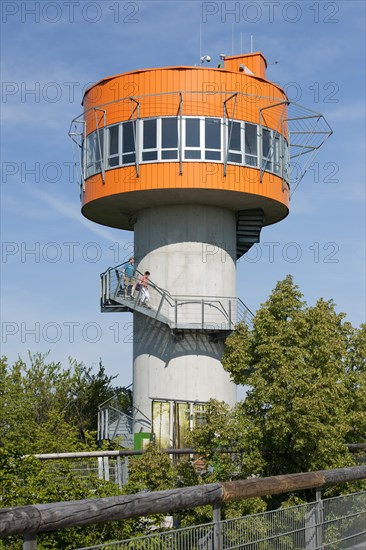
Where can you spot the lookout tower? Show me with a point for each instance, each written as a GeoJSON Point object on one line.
{"type": "Point", "coordinates": [195, 161]}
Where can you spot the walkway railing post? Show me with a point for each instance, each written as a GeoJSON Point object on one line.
{"type": "Point", "coordinates": [30, 541]}
{"type": "Point", "coordinates": [319, 518]}
{"type": "Point", "coordinates": [118, 472]}
{"type": "Point", "coordinates": [125, 471]}
{"type": "Point", "coordinates": [217, 543]}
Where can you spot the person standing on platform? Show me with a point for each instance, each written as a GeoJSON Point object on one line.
{"type": "Point", "coordinates": [129, 277]}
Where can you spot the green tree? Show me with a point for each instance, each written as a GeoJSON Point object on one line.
{"type": "Point", "coordinates": [88, 390]}
{"type": "Point", "coordinates": [356, 383]}
{"type": "Point", "coordinates": [26, 480]}
{"type": "Point", "coordinates": [293, 363]}
{"type": "Point", "coordinates": [47, 408]}
{"type": "Point", "coordinates": [44, 408]}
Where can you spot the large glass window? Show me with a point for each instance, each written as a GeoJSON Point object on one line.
{"type": "Point", "coordinates": [267, 150]}
{"type": "Point", "coordinates": [234, 142]}
{"type": "Point", "coordinates": [182, 422]}
{"type": "Point", "coordinates": [99, 150]}
{"type": "Point", "coordinates": [192, 140]}
{"type": "Point", "coordinates": [90, 154]}
{"type": "Point", "coordinates": [203, 139]}
{"type": "Point", "coordinates": [251, 149]}
{"type": "Point", "coordinates": [113, 146]}
{"type": "Point", "coordinates": [213, 139]}
{"type": "Point", "coordinates": [277, 154]}
{"type": "Point", "coordinates": [169, 138]}
{"type": "Point", "coordinates": [199, 415]}
{"type": "Point", "coordinates": [173, 420]}
{"type": "Point", "coordinates": [95, 152]}
{"type": "Point", "coordinates": [150, 151]}
{"type": "Point", "coordinates": [128, 142]}
{"type": "Point", "coordinates": [161, 423]}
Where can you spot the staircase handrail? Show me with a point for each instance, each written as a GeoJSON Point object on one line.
{"type": "Point", "coordinates": [113, 396]}
{"type": "Point", "coordinates": [240, 301]}
{"type": "Point", "coordinates": [110, 268]}
{"type": "Point", "coordinates": [175, 301]}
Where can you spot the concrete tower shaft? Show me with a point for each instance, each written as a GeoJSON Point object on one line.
{"type": "Point", "coordinates": [186, 247]}
{"type": "Point", "coordinates": [191, 251]}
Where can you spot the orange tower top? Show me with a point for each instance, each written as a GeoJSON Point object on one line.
{"type": "Point", "coordinates": [176, 135]}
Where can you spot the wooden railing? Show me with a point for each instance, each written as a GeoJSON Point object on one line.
{"type": "Point", "coordinates": [39, 518]}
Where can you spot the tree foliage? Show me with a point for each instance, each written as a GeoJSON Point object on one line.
{"type": "Point", "coordinates": [48, 408]}
{"type": "Point", "coordinates": [303, 367]}
{"type": "Point", "coordinates": [45, 408]}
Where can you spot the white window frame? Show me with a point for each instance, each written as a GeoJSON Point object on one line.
{"type": "Point", "coordinates": [115, 155]}
{"type": "Point", "coordinates": [199, 148]}
{"type": "Point", "coordinates": [278, 146]}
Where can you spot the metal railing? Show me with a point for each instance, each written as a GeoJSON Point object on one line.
{"type": "Point", "coordinates": [324, 527]}
{"type": "Point", "coordinates": [305, 130]}
{"type": "Point", "coordinates": [107, 468]}
{"type": "Point", "coordinates": [215, 313]}
{"type": "Point", "coordinates": [337, 523]}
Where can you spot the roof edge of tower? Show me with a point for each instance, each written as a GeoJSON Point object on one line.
{"type": "Point", "coordinates": [183, 68]}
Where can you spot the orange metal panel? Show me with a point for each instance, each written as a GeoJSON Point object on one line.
{"type": "Point", "coordinates": [195, 176]}
{"type": "Point", "coordinates": [255, 62]}
{"type": "Point", "coordinates": [205, 90]}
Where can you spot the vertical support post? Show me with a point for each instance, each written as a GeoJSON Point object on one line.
{"type": "Point", "coordinates": [260, 148]}
{"type": "Point", "coordinates": [319, 518]}
{"type": "Point", "coordinates": [176, 313]}
{"type": "Point", "coordinates": [101, 153]}
{"type": "Point", "coordinates": [137, 151]}
{"type": "Point", "coordinates": [180, 133]}
{"type": "Point", "coordinates": [106, 424]}
{"type": "Point", "coordinates": [227, 134]}
{"type": "Point", "coordinates": [30, 541]}
{"type": "Point", "coordinates": [171, 425]}
{"type": "Point", "coordinates": [100, 467]}
{"type": "Point", "coordinates": [282, 156]}
{"type": "Point", "coordinates": [106, 468]}
{"type": "Point", "coordinates": [119, 472]}
{"type": "Point", "coordinates": [229, 314]}
{"type": "Point", "coordinates": [217, 527]}
{"type": "Point", "coordinates": [84, 155]}
{"type": "Point", "coordinates": [107, 285]}
{"type": "Point", "coordinates": [99, 426]}
{"type": "Point", "coordinates": [125, 473]}
{"type": "Point", "coordinates": [135, 127]}
{"type": "Point", "coordinates": [160, 306]}
{"type": "Point", "coordinates": [202, 312]}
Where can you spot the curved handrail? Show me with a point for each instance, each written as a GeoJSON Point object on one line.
{"type": "Point", "coordinates": [220, 310]}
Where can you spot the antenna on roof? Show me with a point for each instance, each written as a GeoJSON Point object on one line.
{"type": "Point", "coordinates": [200, 41]}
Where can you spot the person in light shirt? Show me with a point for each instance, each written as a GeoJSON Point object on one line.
{"type": "Point", "coordinates": [144, 290]}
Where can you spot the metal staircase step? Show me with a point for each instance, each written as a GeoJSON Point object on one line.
{"type": "Point", "coordinates": [249, 225]}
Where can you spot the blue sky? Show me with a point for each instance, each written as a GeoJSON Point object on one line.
{"type": "Point", "coordinates": [52, 256]}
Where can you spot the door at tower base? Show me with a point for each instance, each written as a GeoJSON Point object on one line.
{"type": "Point", "coordinates": [173, 420]}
